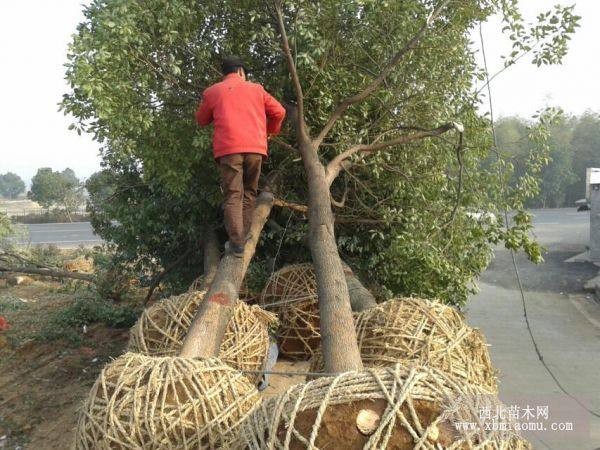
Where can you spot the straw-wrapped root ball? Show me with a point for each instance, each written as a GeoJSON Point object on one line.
{"type": "Point", "coordinates": [397, 407]}
{"type": "Point", "coordinates": [291, 293]}
{"type": "Point", "coordinates": [164, 402]}
{"type": "Point", "coordinates": [161, 329]}
{"type": "Point", "coordinates": [412, 330]}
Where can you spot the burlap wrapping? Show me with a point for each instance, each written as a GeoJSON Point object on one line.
{"type": "Point", "coordinates": [291, 293]}
{"type": "Point", "coordinates": [417, 408]}
{"type": "Point", "coordinates": [161, 329]}
{"type": "Point", "coordinates": [164, 403]}
{"type": "Point", "coordinates": [411, 330]}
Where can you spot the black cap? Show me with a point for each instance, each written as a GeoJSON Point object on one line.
{"type": "Point", "coordinates": [232, 63]}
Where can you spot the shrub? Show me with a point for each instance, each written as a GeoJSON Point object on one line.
{"type": "Point", "coordinates": [68, 323]}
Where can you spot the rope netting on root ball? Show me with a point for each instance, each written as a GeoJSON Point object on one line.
{"type": "Point", "coordinates": [412, 330]}
{"type": "Point", "coordinates": [397, 407]}
{"type": "Point", "coordinates": [291, 293]}
{"type": "Point", "coordinates": [169, 402]}
{"type": "Point", "coordinates": [161, 329]}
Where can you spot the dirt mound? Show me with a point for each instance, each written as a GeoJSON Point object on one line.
{"type": "Point", "coordinates": [335, 427]}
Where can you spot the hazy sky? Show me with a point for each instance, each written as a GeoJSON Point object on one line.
{"type": "Point", "coordinates": [34, 35]}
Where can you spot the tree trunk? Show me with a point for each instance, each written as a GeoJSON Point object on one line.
{"type": "Point", "coordinates": [205, 335]}
{"type": "Point", "coordinates": [360, 297]}
{"type": "Point", "coordinates": [338, 335]}
{"type": "Point", "coordinates": [212, 253]}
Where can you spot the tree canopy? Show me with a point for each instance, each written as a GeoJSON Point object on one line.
{"type": "Point", "coordinates": [574, 144]}
{"type": "Point", "coordinates": [137, 71]}
{"type": "Point", "coordinates": [11, 185]}
{"type": "Point", "coordinates": [53, 188]}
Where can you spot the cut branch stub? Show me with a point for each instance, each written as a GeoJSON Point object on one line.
{"type": "Point", "coordinates": [208, 328]}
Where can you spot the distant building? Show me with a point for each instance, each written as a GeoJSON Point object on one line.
{"type": "Point", "coordinates": [593, 197]}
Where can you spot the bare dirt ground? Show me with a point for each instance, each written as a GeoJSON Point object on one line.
{"type": "Point", "coordinates": [43, 383]}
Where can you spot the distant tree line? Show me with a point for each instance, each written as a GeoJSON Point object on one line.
{"type": "Point", "coordinates": [60, 190]}
{"type": "Point", "coordinates": [574, 145]}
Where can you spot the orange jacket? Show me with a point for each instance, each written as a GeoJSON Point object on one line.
{"type": "Point", "coordinates": [243, 114]}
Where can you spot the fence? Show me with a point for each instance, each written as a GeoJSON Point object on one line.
{"type": "Point", "coordinates": [40, 212]}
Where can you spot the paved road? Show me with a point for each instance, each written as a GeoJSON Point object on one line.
{"type": "Point", "coordinates": [564, 321]}
{"type": "Point", "coordinates": [60, 234]}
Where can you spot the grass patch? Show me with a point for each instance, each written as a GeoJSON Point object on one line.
{"type": "Point", "coordinates": [68, 323]}
{"type": "Point", "coordinates": [10, 303]}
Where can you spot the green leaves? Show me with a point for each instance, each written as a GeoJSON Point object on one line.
{"type": "Point", "coordinates": [546, 39]}
{"type": "Point", "coordinates": [138, 69]}
{"type": "Point", "coordinates": [60, 189]}
{"type": "Point", "coordinates": [11, 185]}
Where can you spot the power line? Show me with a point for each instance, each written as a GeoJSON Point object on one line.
{"type": "Point", "coordinates": [512, 253]}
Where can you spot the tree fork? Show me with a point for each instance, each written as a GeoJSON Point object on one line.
{"type": "Point", "coordinates": [205, 335]}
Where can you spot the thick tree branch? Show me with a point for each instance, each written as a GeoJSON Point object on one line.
{"type": "Point", "coordinates": [290, 205]}
{"type": "Point", "coordinates": [340, 162]}
{"type": "Point", "coordinates": [49, 273]}
{"type": "Point", "coordinates": [377, 81]}
{"type": "Point", "coordinates": [283, 144]}
{"type": "Point", "coordinates": [5, 256]}
{"type": "Point", "coordinates": [38, 269]}
{"type": "Point", "coordinates": [342, 220]}
{"type": "Point", "coordinates": [459, 148]}
{"type": "Point", "coordinates": [291, 66]}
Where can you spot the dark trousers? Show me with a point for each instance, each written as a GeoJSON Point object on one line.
{"type": "Point", "coordinates": [239, 180]}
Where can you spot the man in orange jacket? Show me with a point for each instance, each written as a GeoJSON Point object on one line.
{"type": "Point", "coordinates": [244, 115]}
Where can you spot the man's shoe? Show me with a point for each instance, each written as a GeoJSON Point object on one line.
{"type": "Point", "coordinates": [235, 250]}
